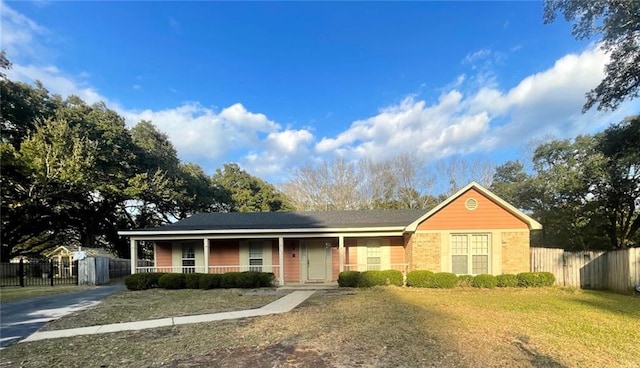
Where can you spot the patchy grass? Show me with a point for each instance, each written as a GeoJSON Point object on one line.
{"type": "Point", "coordinates": [11, 294]}
{"type": "Point", "coordinates": [129, 306]}
{"type": "Point", "coordinates": [380, 327]}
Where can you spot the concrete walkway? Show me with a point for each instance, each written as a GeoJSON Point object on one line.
{"type": "Point", "coordinates": [20, 319]}
{"type": "Point", "coordinates": [282, 305]}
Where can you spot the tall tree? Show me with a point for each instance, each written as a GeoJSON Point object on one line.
{"type": "Point", "coordinates": [248, 193]}
{"type": "Point", "coordinates": [617, 23]}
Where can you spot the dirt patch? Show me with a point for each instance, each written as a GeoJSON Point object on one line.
{"type": "Point", "coordinates": [277, 355]}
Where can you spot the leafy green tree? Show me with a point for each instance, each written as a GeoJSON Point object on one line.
{"type": "Point", "coordinates": [585, 192]}
{"type": "Point", "coordinates": [248, 193]}
{"type": "Point", "coordinates": [620, 192]}
{"type": "Point", "coordinates": [617, 22]}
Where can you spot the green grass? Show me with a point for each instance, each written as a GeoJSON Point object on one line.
{"type": "Point", "coordinates": [14, 293]}
{"type": "Point", "coordinates": [381, 327]}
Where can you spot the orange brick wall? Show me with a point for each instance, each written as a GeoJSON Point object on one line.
{"type": "Point", "coordinates": [488, 215]}
{"type": "Point", "coordinates": [163, 254]}
{"type": "Point", "coordinates": [515, 252]}
{"type": "Point", "coordinates": [224, 252]}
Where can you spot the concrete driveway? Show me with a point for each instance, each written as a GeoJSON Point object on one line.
{"type": "Point", "coordinates": [22, 318]}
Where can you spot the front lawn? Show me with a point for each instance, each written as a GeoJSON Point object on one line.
{"type": "Point", "coordinates": [129, 306]}
{"type": "Point", "coordinates": [381, 327]}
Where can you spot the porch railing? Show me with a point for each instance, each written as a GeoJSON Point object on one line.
{"type": "Point", "coordinates": [402, 267]}
{"type": "Point", "coordinates": [212, 269]}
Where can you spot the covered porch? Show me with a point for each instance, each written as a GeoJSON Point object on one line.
{"type": "Point", "coordinates": [292, 258]}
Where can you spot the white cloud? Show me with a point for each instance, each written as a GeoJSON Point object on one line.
{"type": "Point", "coordinates": [487, 118]}
{"type": "Point", "coordinates": [19, 33]}
{"type": "Point", "coordinates": [542, 104]}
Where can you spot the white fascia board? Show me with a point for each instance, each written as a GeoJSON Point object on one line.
{"type": "Point", "coordinates": [209, 235]}
{"type": "Point", "coordinates": [258, 231]}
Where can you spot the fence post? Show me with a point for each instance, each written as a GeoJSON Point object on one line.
{"type": "Point", "coordinates": [21, 272]}
{"type": "Point", "coordinates": [51, 271]}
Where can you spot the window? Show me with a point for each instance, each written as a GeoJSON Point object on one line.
{"type": "Point", "coordinates": [470, 254]}
{"type": "Point", "coordinates": [255, 256]}
{"type": "Point", "coordinates": [188, 259]}
{"type": "Point", "coordinates": [374, 257]}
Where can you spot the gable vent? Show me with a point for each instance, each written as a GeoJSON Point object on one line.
{"type": "Point", "coordinates": [471, 204]}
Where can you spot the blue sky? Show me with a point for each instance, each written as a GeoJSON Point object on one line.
{"type": "Point", "coordinates": [276, 85]}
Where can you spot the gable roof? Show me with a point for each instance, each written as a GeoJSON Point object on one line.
{"type": "Point", "coordinates": [279, 221]}
{"type": "Point", "coordinates": [533, 224]}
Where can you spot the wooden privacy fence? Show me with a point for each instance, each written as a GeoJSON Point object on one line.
{"type": "Point", "coordinates": [100, 270]}
{"type": "Point", "coordinates": [617, 270]}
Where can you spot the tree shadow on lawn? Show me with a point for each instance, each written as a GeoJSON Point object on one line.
{"type": "Point", "coordinates": [372, 328]}
{"type": "Point", "coordinates": [618, 304]}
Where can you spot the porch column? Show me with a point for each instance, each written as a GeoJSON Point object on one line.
{"type": "Point", "coordinates": [341, 252]}
{"type": "Point", "coordinates": [206, 255]}
{"type": "Point", "coordinates": [134, 255]}
{"type": "Point", "coordinates": [281, 260]}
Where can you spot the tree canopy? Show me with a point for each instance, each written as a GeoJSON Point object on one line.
{"type": "Point", "coordinates": [74, 172]}
{"type": "Point", "coordinates": [617, 23]}
{"type": "Point", "coordinates": [584, 191]}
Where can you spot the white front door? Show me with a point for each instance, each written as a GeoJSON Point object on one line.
{"type": "Point", "coordinates": [316, 262]}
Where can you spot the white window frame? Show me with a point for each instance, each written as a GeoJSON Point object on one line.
{"type": "Point", "coordinates": [256, 261]}
{"type": "Point", "coordinates": [188, 255]}
{"type": "Point", "coordinates": [374, 251]}
{"type": "Point", "coordinates": [470, 251]}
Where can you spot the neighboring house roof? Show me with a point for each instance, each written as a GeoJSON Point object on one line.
{"type": "Point", "coordinates": [533, 224]}
{"type": "Point", "coordinates": [70, 249]}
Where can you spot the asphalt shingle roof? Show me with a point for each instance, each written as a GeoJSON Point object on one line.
{"type": "Point", "coordinates": [294, 220]}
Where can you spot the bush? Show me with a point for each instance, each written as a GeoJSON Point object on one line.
{"type": "Point", "coordinates": [210, 281]}
{"type": "Point", "coordinates": [507, 280]}
{"type": "Point", "coordinates": [143, 281]}
{"type": "Point", "coordinates": [547, 278]}
{"type": "Point", "coordinates": [485, 281]}
{"type": "Point", "coordinates": [536, 279]}
{"type": "Point", "coordinates": [379, 278]}
{"type": "Point", "coordinates": [465, 280]}
{"type": "Point", "coordinates": [172, 281]}
{"type": "Point", "coordinates": [445, 280]}
{"type": "Point", "coordinates": [192, 280]}
{"type": "Point", "coordinates": [348, 278]}
{"type": "Point", "coordinates": [247, 279]}
{"type": "Point", "coordinates": [420, 278]}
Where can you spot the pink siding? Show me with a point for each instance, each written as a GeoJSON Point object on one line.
{"type": "Point", "coordinates": [224, 252]}
{"type": "Point", "coordinates": [163, 254]}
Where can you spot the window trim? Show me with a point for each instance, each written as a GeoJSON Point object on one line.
{"type": "Point", "coordinates": [185, 257]}
{"type": "Point", "coordinates": [469, 251]}
{"type": "Point", "coordinates": [256, 245]}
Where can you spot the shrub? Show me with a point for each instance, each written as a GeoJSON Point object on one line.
{"type": "Point", "coordinates": [507, 280]}
{"type": "Point", "coordinates": [536, 279]}
{"type": "Point", "coordinates": [192, 280]}
{"type": "Point", "coordinates": [348, 278]}
{"type": "Point", "coordinates": [485, 281]}
{"type": "Point", "coordinates": [229, 280]}
{"type": "Point", "coordinates": [445, 280]}
{"type": "Point", "coordinates": [143, 281]}
{"type": "Point", "coordinates": [465, 280]}
{"type": "Point", "coordinates": [547, 278]}
{"type": "Point", "coordinates": [172, 281]}
{"type": "Point", "coordinates": [379, 278]}
{"type": "Point", "coordinates": [210, 281]}
{"type": "Point", "coordinates": [420, 278]}
{"type": "Point", "coordinates": [247, 279]}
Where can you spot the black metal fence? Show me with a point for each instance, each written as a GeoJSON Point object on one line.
{"type": "Point", "coordinates": [38, 273]}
